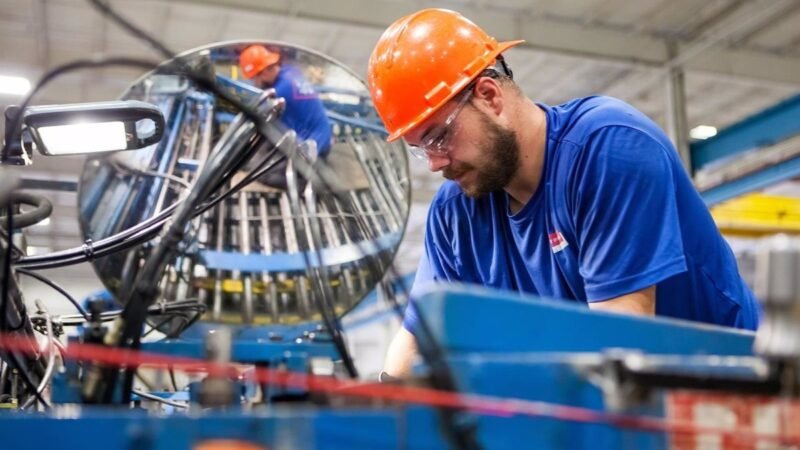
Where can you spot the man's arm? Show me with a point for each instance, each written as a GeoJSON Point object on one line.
{"type": "Point", "coordinates": [625, 210]}
{"type": "Point", "coordinates": [641, 302]}
{"type": "Point", "coordinates": [401, 354]}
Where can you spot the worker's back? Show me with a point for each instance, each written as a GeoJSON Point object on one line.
{"type": "Point", "coordinates": [304, 112]}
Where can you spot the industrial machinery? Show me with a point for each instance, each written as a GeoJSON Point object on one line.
{"type": "Point", "coordinates": [235, 255]}
{"type": "Point", "coordinates": [244, 258]}
{"type": "Point", "coordinates": [272, 255]}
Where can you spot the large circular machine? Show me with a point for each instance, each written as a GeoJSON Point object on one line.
{"type": "Point", "coordinates": [255, 256]}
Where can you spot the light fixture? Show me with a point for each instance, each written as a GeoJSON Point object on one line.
{"type": "Point", "coordinates": [14, 85]}
{"type": "Point", "coordinates": [703, 132]}
{"type": "Point", "coordinates": [93, 127]}
{"type": "Point", "coordinates": [83, 137]}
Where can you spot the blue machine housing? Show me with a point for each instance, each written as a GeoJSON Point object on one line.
{"type": "Point", "coordinates": [517, 348]}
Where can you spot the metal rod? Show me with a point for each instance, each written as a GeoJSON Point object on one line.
{"type": "Point", "coordinates": [245, 248]}
{"type": "Point", "coordinates": [216, 311]}
{"type": "Point", "coordinates": [270, 294]}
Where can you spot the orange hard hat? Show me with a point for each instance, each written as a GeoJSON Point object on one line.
{"type": "Point", "coordinates": [256, 58]}
{"type": "Point", "coordinates": [422, 61]}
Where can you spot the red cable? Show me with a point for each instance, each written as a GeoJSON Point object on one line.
{"type": "Point", "coordinates": [480, 404]}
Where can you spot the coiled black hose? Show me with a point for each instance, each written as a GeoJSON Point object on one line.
{"type": "Point", "coordinates": [43, 209]}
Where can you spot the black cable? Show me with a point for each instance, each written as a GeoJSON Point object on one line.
{"type": "Point", "coordinates": [144, 289]}
{"type": "Point", "coordinates": [132, 236]}
{"type": "Point", "coordinates": [7, 265]}
{"type": "Point", "coordinates": [108, 316]}
{"type": "Point", "coordinates": [250, 115]}
{"type": "Point", "coordinates": [12, 358]}
{"type": "Point", "coordinates": [132, 29]}
{"type": "Point", "coordinates": [57, 287]}
{"type": "Point", "coordinates": [186, 324]}
{"type": "Point", "coordinates": [125, 239]}
{"type": "Point", "coordinates": [158, 326]}
{"type": "Point", "coordinates": [191, 322]}
{"type": "Point", "coordinates": [172, 379]}
{"type": "Point", "coordinates": [25, 219]}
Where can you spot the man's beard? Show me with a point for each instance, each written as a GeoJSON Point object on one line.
{"type": "Point", "coordinates": [497, 165]}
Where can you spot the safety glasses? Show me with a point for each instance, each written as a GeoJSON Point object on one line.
{"type": "Point", "coordinates": [435, 142]}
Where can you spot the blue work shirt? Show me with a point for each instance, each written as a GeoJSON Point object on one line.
{"type": "Point", "coordinates": [304, 111]}
{"type": "Point", "coordinates": [615, 213]}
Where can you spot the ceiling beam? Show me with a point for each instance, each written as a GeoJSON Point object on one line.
{"type": "Point", "coordinates": [541, 33]}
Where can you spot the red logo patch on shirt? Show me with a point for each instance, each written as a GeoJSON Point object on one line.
{"type": "Point", "coordinates": [557, 241]}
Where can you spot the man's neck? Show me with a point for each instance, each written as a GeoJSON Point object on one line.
{"type": "Point", "coordinates": [531, 128]}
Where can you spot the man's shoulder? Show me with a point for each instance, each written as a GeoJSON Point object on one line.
{"type": "Point", "coordinates": [577, 120]}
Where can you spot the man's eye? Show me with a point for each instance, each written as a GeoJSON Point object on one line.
{"type": "Point", "coordinates": [439, 141]}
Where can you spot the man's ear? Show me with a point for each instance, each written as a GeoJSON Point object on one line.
{"type": "Point", "coordinates": [489, 96]}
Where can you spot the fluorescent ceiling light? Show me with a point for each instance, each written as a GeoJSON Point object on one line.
{"type": "Point", "coordinates": [84, 138]}
{"type": "Point", "coordinates": [14, 85]}
{"type": "Point", "coordinates": [703, 132]}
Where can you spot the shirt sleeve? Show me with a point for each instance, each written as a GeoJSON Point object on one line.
{"type": "Point", "coordinates": [436, 264]}
{"type": "Point", "coordinates": [625, 213]}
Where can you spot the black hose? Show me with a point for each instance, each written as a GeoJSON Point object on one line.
{"type": "Point", "coordinates": [43, 209]}
{"type": "Point", "coordinates": [57, 287]}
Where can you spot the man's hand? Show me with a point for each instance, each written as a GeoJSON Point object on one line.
{"type": "Point", "coordinates": [639, 303]}
{"type": "Point", "coordinates": [401, 354]}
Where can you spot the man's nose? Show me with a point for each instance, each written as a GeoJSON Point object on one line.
{"type": "Point", "coordinates": [437, 162]}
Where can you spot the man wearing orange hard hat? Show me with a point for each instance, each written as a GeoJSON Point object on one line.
{"type": "Point", "coordinates": [586, 201]}
{"type": "Point", "coordinates": [304, 111]}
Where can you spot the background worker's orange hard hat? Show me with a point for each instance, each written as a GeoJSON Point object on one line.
{"type": "Point", "coordinates": [256, 58]}
{"type": "Point", "coordinates": [421, 61]}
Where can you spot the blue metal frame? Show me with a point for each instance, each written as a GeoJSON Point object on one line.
{"type": "Point", "coordinates": [514, 323]}
{"type": "Point", "coordinates": [298, 261]}
{"type": "Point", "coordinates": [758, 180]}
{"type": "Point", "coordinates": [767, 127]}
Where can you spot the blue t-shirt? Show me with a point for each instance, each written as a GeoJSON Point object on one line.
{"type": "Point", "coordinates": [304, 111]}
{"type": "Point", "coordinates": [615, 213]}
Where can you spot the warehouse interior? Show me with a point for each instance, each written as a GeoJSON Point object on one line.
{"type": "Point", "coordinates": [721, 78]}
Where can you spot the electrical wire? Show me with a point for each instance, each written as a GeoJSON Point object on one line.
{"type": "Point", "coordinates": [122, 167]}
{"type": "Point", "coordinates": [12, 357]}
{"type": "Point", "coordinates": [109, 316]}
{"type": "Point", "coordinates": [123, 240]}
{"type": "Point", "coordinates": [57, 287]}
{"type": "Point", "coordinates": [51, 362]}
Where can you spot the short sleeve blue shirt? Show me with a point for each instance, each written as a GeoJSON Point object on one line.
{"type": "Point", "coordinates": [304, 111]}
{"type": "Point", "coordinates": [615, 213]}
